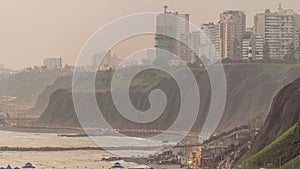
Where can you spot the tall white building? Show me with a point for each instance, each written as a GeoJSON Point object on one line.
{"type": "Point", "coordinates": [232, 28]}
{"type": "Point", "coordinates": [53, 63]}
{"type": "Point", "coordinates": [278, 29]}
{"type": "Point", "coordinates": [212, 40]}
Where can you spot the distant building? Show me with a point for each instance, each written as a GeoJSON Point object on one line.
{"type": "Point", "coordinates": [247, 49]}
{"type": "Point", "coordinates": [297, 44]}
{"type": "Point", "coordinates": [95, 60]}
{"type": "Point", "coordinates": [68, 69]}
{"type": "Point", "coordinates": [297, 39]}
{"type": "Point", "coordinates": [172, 24]}
{"type": "Point", "coordinates": [105, 60]}
{"type": "Point", "coordinates": [248, 45]}
{"type": "Point", "coordinates": [189, 46]}
{"type": "Point", "coordinates": [53, 63]}
{"type": "Point", "coordinates": [150, 57]}
{"type": "Point", "coordinates": [278, 29]}
{"type": "Point", "coordinates": [212, 43]}
{"type": "Point", "coordinates": [4, 70]}
{"type": "Point", "coordinates": [252, 46]}
{"type": "Point", "coordinates": [232, 28]}
{"type": "Point", "coordinates": [258, 47]}
{"type": "Point", "coordinates": [196, 42]}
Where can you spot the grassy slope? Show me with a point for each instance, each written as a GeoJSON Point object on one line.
{"type": "Point", "coordinates": [293, 164]}
{"type": "Point", "coordinates": [153, 77]}
{"type": "Point", "coordinates": [275, 70]}
{"type": "Point", "coordinates": [268, 148]}
{"type": "Point", "coordinates": [146, 78]}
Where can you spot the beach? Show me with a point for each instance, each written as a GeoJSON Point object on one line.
{"type": "Point", "coordinates": [67, 159]}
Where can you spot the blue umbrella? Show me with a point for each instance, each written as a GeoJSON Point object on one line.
{"type": "Point", "coordinates": [28, 165]}
{"type": "Point", "coordinates": [117, 165]}
{"type": "Point", "coordinates": [8, 167]}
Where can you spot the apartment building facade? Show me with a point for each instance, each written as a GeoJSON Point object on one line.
{"type": "Point", "coordinates": [232, 29]}
{"type": "Point", "coordinates": [279, 31]}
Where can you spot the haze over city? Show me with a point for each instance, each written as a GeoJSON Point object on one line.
{"type": "Point", "coordinates": [60, 28]}
{"type": "Point", "coordinates": [165, 84]}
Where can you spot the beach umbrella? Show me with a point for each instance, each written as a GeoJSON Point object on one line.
{"type": "Point", "coordinates": [2, 168]}
{"type": "Point", "coordinates": [8, 167]}
{"type": "Point", "coordinates": [16, 168]}
{"type": "Point", "coordinates": [28, 165]}
{"type": "Point", "coordinates": [117, 165]}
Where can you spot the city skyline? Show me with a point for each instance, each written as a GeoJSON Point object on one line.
{"type": "Point", "coordinates": [63, 36]}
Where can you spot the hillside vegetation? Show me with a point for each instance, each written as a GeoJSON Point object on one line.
{"type": "Point", "coordinates": [293, 164]}
{"type": "Point", "coordinates": [278, 141]}
{"type": "Point", "coordinates": [281, 149]}
{"type": "Point", "coordinates": [249, 93]}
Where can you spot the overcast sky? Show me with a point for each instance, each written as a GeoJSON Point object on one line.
{"type": "Point", "coordinates": [34, 29]}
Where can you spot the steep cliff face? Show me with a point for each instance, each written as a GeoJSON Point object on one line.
{"type": "Point", "coordinates": [279, 138]}
{"type": "Point", "coordinates": [43, 99]}
{"type": "Point", "coordinates": [60, 110]}
{"type": "Point", "coordinates": [284, 113]}
{"type": "Point", "coordinates": [249, 92]}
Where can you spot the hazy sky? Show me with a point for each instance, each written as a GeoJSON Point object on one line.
{"type": "Point", "coordinates": [34, 29]}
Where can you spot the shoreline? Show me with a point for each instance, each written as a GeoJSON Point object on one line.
{"type": "Point", "coordinates": [107, 158]}
{"type": "Point", "coordinates": [23, 149]}
{"type": "Point", "coordinates": [41, 129]}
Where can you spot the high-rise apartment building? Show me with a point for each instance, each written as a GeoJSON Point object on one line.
{"type": "Point", "coordinates": [212, 40]}
{"type": "Point", "coordinates": [278, 29]}
{"type": "Point", "coordinates": [168, 25]}
{"type": "Point", "coordinates": [232, 28]}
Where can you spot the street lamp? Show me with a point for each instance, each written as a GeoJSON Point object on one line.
{"type": "Point", "coordinates": [189, 164]}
